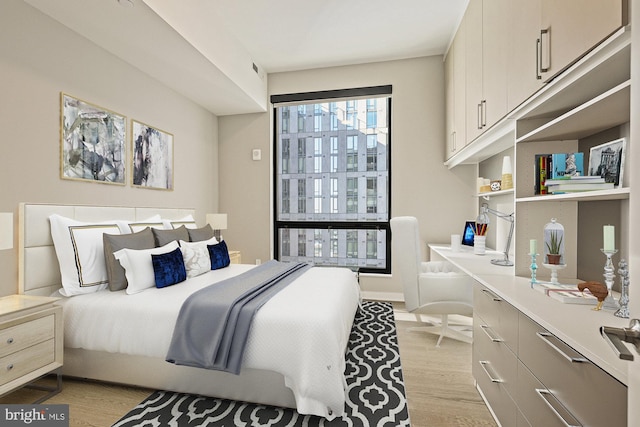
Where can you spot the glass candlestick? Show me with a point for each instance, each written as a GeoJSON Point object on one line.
{"type": "Point", "coordinates": [533, 268]}
{"type": "Point", "coordinates": [610, 301]}
{"type": "Point", "coordinates": [623, 270]}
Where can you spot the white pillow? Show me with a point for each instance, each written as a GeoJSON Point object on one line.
{"type": "Point", "coordinates": [80, 253]}
{"type": "Point", "coordinates": [127, 227]}
{"type": "Point", "coordinates": [138, 267]}
{"type": "Point", "coordinates": [187, 221]}
{"type": "Point", "coordinates": [196, 256]}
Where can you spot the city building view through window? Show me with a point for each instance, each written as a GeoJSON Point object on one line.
{"type": "Point", "coordinates": [332, 182]}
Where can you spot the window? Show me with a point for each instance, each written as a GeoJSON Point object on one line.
{"type": "Point", "coordinates": [332, 178]}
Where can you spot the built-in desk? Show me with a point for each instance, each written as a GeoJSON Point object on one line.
{"type": "Point", "coordinates": [575, 325]}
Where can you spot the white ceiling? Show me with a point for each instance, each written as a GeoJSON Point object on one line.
{"type": "Point", "coordinates": [205, 49]}
{"type": "Point", "coordinates": [285, 35]}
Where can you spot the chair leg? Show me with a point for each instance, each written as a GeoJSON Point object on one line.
{"type": "Point", "coordinates": [445, 325]}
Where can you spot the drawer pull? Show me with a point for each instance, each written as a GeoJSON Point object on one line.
{"type": "Point", "coordinates": [9, 366]}
{"type": "Point", "coordinates": [491, 295]}
{"type": "Point", "coordinates": [547, 337]}
{"type": "Point", "coordinates": [492, 335]}
{"type": "Point", "coordinates": [568, 420]}
{"type": "Point", "coordinates": [484, 364]}
{"type": "Point", "coordinates": [9, 340]}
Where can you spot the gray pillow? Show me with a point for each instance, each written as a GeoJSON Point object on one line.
{"type": "Point", "coordinates": [114, 242]}
{"type": "Point", "coordinates": [167, 236]}
{"type": "Point", "coordinates": [200, 234]}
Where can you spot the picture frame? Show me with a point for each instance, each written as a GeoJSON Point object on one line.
{"type": "Point", "coordinates": [607, 161]}
{"type": "Point", "coordinates": [151, 156]}
{"type": "Point", "coordinates": [92, 142]}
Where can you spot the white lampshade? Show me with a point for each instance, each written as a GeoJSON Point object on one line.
{"type": "Point", "coordinates": [6, 230]}
{"type": "Point", "coordinates": [217, 221]}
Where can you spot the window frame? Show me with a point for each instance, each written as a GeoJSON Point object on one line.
{"type": "Point", "coordinates": [328, 96]}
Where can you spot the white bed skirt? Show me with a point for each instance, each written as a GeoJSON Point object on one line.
{"type": "Point", "coordinates": [252, 385]}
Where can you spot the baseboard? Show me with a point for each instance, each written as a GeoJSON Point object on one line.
{"type": "Point", "coordinates": [383, 296]}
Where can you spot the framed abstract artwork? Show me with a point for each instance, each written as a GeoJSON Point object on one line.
{"type": "Point", "coordinates": [152, 157]}
{"type": "Point", "coordinates": [92, 142]}
{"type": "Point", "coordinates": [607, 160]}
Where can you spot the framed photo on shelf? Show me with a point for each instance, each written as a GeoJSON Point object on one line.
{"type": "Point", "coordinates": [92, 142]}
{"type": "Point", "coordinates": [152, 157]}
{"type": "Point", "coordinates": [607, 161]}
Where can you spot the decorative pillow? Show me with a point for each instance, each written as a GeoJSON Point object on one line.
{"type": "Point", "coordinates": [187, 221]}
{"type": "Point", "coordinates": [219, 255]}
{"type": "Point", "coordinates": [114, 242]}
{"type": "Point", "coordinates": [196, 256]}
{"type": "Point", "coordinates": [135, 226]}
{"type": "Point", "coordinates": [165, 236]}
{"type": "Point", "coordinates": [200, 234]}
{"type": "Point", "coordinates": [138, 267]}
{"type": "Point", "coordinates": [80, 253]}
{"type": "Point", "coordinates": [168, 268]}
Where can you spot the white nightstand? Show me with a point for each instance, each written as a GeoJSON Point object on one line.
{"type": "Point", "coordinates": [31, 342]}
{"type": "Point", "coordinates": [235, 257]}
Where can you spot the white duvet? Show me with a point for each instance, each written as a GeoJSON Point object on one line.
{"type": "Point", "coordinates": [301, 333]}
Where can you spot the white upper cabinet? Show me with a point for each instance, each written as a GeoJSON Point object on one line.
{"type": "Point", "coordinates": [455, 94]}
{"type": "Point", "coordinates": [570, 28]}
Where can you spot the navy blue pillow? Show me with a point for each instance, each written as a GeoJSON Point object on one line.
{"type": "Point", "coordinates": [169, 268]}
{"type": "Point", "coordinates": [219, 255]}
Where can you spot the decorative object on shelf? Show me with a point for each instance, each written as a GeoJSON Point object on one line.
{"type": "Point", "coordinates": [610, 301]}
{"type": "Point", "coordinates": [484, 185]}
{"type": "Point", "coordinates": [217, 221]}
{"type": "Point", "coordinates": [554, 243]}
{"type": "Point", "coordinates": [533, 249]}
{"type": "Point", "coordinates": [507, 173]}
{"type": "Point", "coordinates": [607, 161]}
{"type": "Point", "coordinates": [480, 233]}
{"type": "Point", "coordinates": [92, 145]}
{"type": "Point", "coordinates": [152, 157]}
{"type": "Point", "coordinates": [496, 185]}
{"type": "Point", "coordinates": [484, 211]}
{"type": "Point", "coordinates": [554, 272]}
{"type": "Point", "coordinates": [623, 270]}
{"type": "Point", "coordinates": [596, 289]}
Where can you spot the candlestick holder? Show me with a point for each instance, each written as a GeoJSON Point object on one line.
{"type": "Point", "coordinates": [623, 270]}
{"type": "Point", "coordinates": [609, 301]}
{"type": "Point", "coordinates": [533, 267]}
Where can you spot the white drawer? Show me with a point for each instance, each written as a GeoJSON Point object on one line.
{"type": "Point", "coordinates": [497, 314]}
{"type": "Point", "coordinates": [589, 393]}
{"type": "Point", "coordinates": [22, 335]}
{"type": "Point", "coordinates": [16, 365]}
{"type": "Point", "coordinates": [501, 363]}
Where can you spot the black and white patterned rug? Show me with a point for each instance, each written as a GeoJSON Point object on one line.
{"type": "Point", "coordinates": [375, 389]}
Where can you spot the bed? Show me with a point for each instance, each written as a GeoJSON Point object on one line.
{"type": "Point", "coordinates": [295, 349]}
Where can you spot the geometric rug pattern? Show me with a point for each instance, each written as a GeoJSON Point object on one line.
{"type": "Point", "coordinates": [375, 389]}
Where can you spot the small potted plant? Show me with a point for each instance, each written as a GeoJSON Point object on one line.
{"type": "Point", "coordinates": [553, 246]}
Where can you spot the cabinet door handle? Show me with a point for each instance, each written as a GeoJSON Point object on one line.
{"type": "Point", "coordinates": [492, 335]}
{"type": "Point", "coordinates": [484, 364]}
{"type": "Point", "coordinates": [9, 340]}
{"type": "Point", "coordinates": [479, 118]}
{"type": "Point", "coordinates": [545, 58]}
{"type": "Point", "coordinates": [491, 295]}
{"type": "Point", "coordinates": [9, 366]}
{"type": "Point", "coordinates": [563, 414]}
{"type": "Point", "coordinates": [547, 337]}
{"type": "Point", "coordinates": [483, 117]}
{"type": "Point", "coordinates": [538, 54]}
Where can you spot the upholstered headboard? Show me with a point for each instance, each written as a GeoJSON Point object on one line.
{"type": "Point", "coordinates": [38, 271]}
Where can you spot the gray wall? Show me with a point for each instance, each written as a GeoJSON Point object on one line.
{"type": "Point", "coordinates": [421, 186]}
{"type": "Point", "coordinates": [40, 58]}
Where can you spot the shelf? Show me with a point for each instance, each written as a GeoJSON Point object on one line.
{"type": "Point", "coordinates": [586, 196]}
{"type": "Point", "coordinates": [489, 194]}
{"type": "Point", "coordinates": [602, 112]}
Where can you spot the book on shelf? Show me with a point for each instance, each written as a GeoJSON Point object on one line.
{"type": "Point", "coordinates": [574, 187]}
{"type": "Point", "coordinates": [567, 164]}
{"type": "Point", "coordinates": [541, 173]}
{"type": "Point", "coordinates": [582, 179]}
{"type": "Point", "coordinates": [567, 294]}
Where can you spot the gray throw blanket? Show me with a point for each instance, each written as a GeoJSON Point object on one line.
{"type": "Point", "coordinates": [213, 325]}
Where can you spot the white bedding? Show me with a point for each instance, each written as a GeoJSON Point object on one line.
{"type": "Point", "coordinates": [301, 332]}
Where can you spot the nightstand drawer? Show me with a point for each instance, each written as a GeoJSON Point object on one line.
{"type": "Point", "coordinates": [23, 335]}
{"type": "Point", "coordinates": [18, 364]}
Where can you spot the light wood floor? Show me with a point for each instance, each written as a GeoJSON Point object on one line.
{"type": "Point", "coordinates": [438, 381]}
